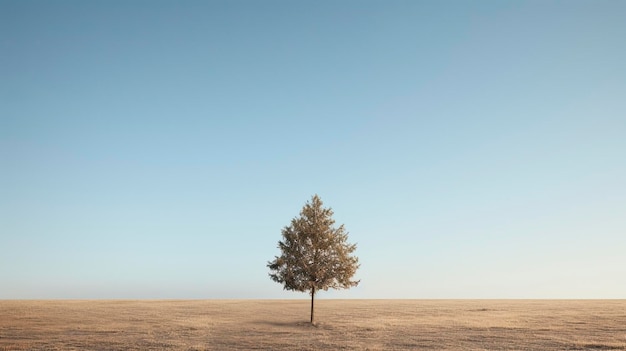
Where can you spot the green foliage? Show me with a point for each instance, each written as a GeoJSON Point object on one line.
{"type": "Point", "coordinates": [315, 254]}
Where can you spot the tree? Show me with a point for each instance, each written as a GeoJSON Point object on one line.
{"type": "Point", "coordinates": [314, 254]}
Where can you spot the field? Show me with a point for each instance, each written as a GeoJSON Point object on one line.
{"type": "Point", "coordinates": [342, 325]}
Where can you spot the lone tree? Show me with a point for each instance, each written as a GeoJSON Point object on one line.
{"type": "Point", "coordinates": [315, 255]}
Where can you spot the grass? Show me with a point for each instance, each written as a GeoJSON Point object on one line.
{"type": "Point", "coordinates": [342, 325]}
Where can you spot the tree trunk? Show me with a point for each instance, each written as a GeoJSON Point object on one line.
{"type": "Point", "coordinates": [312, 298]}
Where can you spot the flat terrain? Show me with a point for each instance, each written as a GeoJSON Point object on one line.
{"type": "Point", "coordinates": [342, 325]}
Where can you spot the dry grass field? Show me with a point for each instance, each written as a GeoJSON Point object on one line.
{"type": "Point", "coordinates": [342, 325]}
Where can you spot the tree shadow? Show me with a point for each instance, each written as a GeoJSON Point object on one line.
{"type": "Point", "coordinates": [292, 325]}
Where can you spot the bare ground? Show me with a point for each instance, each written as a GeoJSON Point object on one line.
{"type": "Point", "coordinates": [342, 325]}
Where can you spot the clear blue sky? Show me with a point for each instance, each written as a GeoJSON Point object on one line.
{"type": "Point", "coordinates": [155, 149]}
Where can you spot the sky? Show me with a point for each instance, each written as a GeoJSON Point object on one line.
{"type": "Point", "coordinates": [155, 149]}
